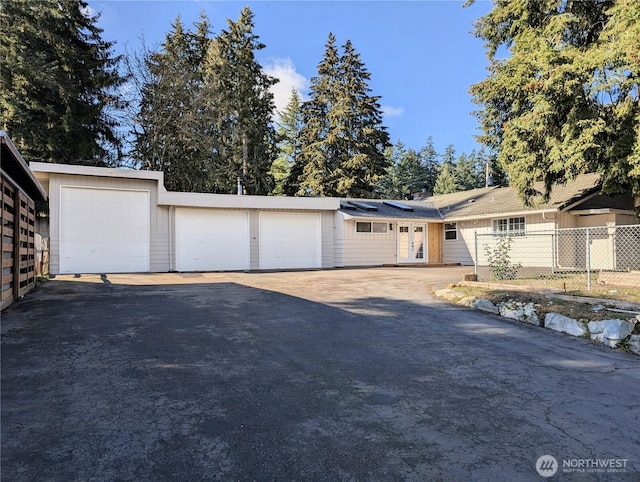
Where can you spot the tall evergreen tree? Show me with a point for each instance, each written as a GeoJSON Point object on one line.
{"type": "Point", "coordinates": [406, 175]}
{"type": "Point", "coordinates": [567, 99]}
{"type": "Point", "coordinates": [343, 140]}
{"type": "Point", "coordinates": [205, 110]}
{"type": "Point", "coordinates": [429, 158]}
{"type": "Point", "coordinates": [59, 83]}
{"type": "Point", "coordinates": [170, 129]}
{"type": "Point", "coordinates": [497, 175]}
{"type": "Point", "coordinates": [241, 108]}
{"type": "Point", "coordinates": [319, 155]}
{"type": "Point", "coordinates": [362, 137]}
{"type": "Point", "coordinates": [465, 171]}
{"type": "Point", "coordinates": [447, 181]}
{"type": "Point", "coordinates": [286, 168]}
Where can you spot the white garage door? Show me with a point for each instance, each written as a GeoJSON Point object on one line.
{"type": "Point", "coordinates": [210, 240]}
{"type": "Point", "coordinates": [290, 240]}
{"type": "Point", "coordinates": [104, 230]}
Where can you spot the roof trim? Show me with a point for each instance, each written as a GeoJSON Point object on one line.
{"type": "Point", "coordinates": [204, 200]}
{"type": "Point", "coordinates": [190, 199]}
{"type": "Point", "coordinates": [579, 212]}
{"type": "Point", "coordinates": [6, 140]}
{"type": "Point", "coordinates": [497, 215]}
{"type": "Point", "coordinates": [46, 167]}
{"type": "Point", "coordinates": [396, 219]}
{"type": "Point", "coordinates": [577, 202]}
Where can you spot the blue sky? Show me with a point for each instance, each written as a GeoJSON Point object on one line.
{"type": "Point", "coordinates": [421, 54]}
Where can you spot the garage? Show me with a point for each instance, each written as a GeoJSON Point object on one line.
{"type": "Point", "coordinates": [290, 240]}
{"type": "Point", "coordinates": [212, 240]}
{"type": "Point", "coordinates": [103, 230]}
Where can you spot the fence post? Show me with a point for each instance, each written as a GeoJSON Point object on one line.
{"type": "Point", "coordinates": [554, 255]}
{"type": "Point", "coordinates": [588, 260]}
{"type": "Point", "coordinates": [475, 247]}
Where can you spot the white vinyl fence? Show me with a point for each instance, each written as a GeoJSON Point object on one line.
{"type": "Point", "coordinates": [607, 255]}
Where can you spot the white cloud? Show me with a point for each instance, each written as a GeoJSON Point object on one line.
{"type": "Point", "coordinates": [284, 70]}
{"type": "Point", "coordinates": [390, 111]}
{"type": "Point", "coordinates": [88, 11]}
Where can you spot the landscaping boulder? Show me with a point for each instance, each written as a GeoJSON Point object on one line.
{"type": "Point", "coordinates": [467, 300]}
{"type": "Point", "coordinates": [634, 344]}
{"type": "Point", "coordinates": [610, 332]}
{"type": "Point", "coordinates": [517, 310]}
{"type": "Point", "coordinates": [564, 324]}
{"type": "Point", "coordinates": [485, 305]}
{"type": "Point", "coordinates": [449, 294]}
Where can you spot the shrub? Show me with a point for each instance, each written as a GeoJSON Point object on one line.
{"type": "Point", "coordinates": [499, 259]}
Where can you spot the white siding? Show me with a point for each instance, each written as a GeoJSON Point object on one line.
{"type": "Point", "coordinates": [530, 250]}
{"type": "Point", "coordinates": [461, 250]}
{"type": "Point", "coordinates": [565, 220]}
{"type": "Point", "coordinates": [366, 249]}
{"type": "Point", "coordinates": [328, 239]}
{"type": "Point", "coordinates": [338, 239]}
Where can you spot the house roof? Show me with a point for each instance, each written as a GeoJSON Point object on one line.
{"type": "Point", "coordinates": [16, 168]}
{"type": "Point", "coordinates": [387, 209]}
{"type": "Point", "coordinates": [493, 201]}
{"type": "Point", "coordinates": [581, 193]}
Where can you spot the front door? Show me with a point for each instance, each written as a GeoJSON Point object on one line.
{"type": "Point", "coordinates": [412, 243]}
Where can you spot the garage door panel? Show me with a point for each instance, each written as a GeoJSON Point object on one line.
{"type": "Point", "coordinates": [104, 230]}
{"type": "Point", "coordinates": [212, 240]}
{"type": "Point", "coordinates": [290, 240]}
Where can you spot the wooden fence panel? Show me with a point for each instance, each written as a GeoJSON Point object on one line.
{"type": "Point", "coordinates": [27, 250]}
{"type": "Point", "coordinates": [7, 235]}
{"type": "Point", "coordinates": [17, 242]}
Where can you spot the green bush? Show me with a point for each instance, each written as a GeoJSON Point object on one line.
{"type": "Point", "coordinates": [499, 259]}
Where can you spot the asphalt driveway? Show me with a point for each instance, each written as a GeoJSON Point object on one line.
{"type": "Point", "coordinates": [324, 375]}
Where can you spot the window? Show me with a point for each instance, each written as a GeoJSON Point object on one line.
{"type": "Point", "coordinates": [379, 227]}
{"type": "Point", "coordinates": [366, 227]}
{"type": "Point", "coordinates": [510, 226]}
{"type": "Point", "coordinates": [450, 230]}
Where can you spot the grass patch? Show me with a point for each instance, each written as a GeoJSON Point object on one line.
{"type": "Point", "coordinates": [544, 304]}
{"type": "Point", "coordinates": [577, 285]}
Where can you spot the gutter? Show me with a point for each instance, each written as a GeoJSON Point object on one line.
{"type": "Point", "coordinates": [499, 215]}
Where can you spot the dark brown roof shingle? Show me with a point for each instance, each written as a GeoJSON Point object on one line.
{"type": "Point", "coordinates": [504, 200]}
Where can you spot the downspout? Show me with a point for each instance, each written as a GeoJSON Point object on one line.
{"type": "Point", "coordinates": [172, 228]}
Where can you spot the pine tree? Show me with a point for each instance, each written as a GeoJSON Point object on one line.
{"type": "Point", "coordinates": [286, 168]}
{"type": "Point", "coordinates": [170, 127]}
{"type": "Point", "coordinates": [447, 181]}
{"type": "Point", "coordinates": [429, 158]}
{"type": "Point", "coordinates": [361, 137]}
{"type": "Point", "coordinates": [496, 173]}
{"type": "Point", "coordinates": [205, 111]}
{"type": "Point", "coordinates": [343, 140]}
{"type": "Point", "coordinates": [241, 105]}
{"type": "Point", "coordinates": [318, 136]}
{"type": "Point", "coordinates": [406, 175]}
{"type": "Point", "coordinates": [59, 83]}
{"type": "Point", "coordinates": [566, 100]}
{"type": "Point", "coordinates": [463, 171]}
